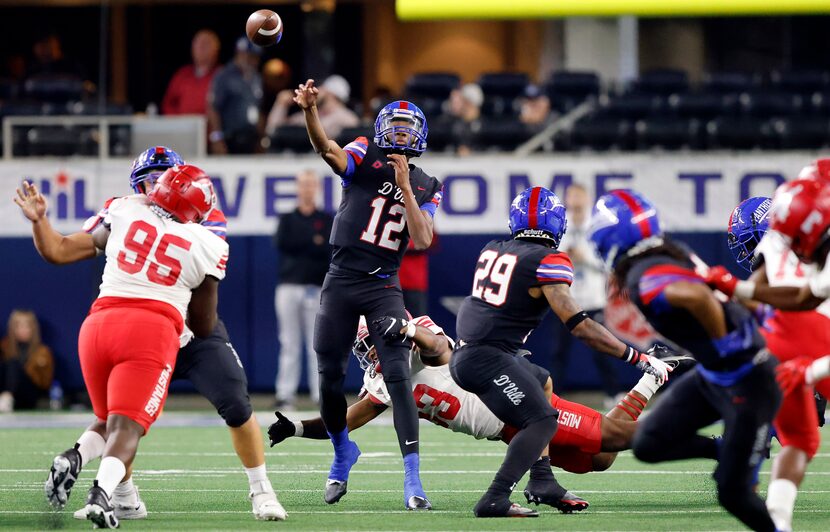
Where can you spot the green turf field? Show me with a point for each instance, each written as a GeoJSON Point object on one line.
{"type": "Point", "coordinates": [190, 479]}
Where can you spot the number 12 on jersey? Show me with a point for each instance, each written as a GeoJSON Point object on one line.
{"type": "Point", "coordinates": [391, 229]}
{"type": "Point", "coordinates": [492, 277]}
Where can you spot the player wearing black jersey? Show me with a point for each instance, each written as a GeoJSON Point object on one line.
{"type": "Point", "coordinates": [515, 283]}
{"type": "Point", "coordinates": [734, 379]}
{"type": "Point", "coordinates": [386, 200]}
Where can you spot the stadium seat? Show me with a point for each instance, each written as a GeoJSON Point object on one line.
{"type": "Point", "coordinates": [501, 92]}
{"type": "Point", "coordinates": [8, 89]}
{"type": "Point", "coordinates": [661, 81]}
{"type": "Point", "coordinates": [600, 131]}
{"type": "Point", "coordinates": [740, 133]}
{"type": "Point", "coordinates": [803, 132]}
{"type": "Point", "coordinates": [634, 106]}
{"type": "Point", "coordinates": [801, 81]}
{"type": "Point", "coordinates": [54, 89]}
{"type": "Point", "coordinates": [60, 141]}
{"type": "Point", "coordinates": [430, 90]}
{"type": "Point", "coordinates": [567, 89]}
{"type": "Point", "coordinates": [670, 133]}
{"type": "Point", "coordinates": [501, 133]}
{"type": "Point", "coordinates": [729, 82]}
{"type": "Point", "coordinates": [770, 104]}
{"type": "Point", "coordinates": [290, 138]}
{"type": "Point", "coordinates": [350, 133]}
{"type": "Point", "coordinates": [703, 104]}
{"type": "Point", "coordinates": [440, 137]}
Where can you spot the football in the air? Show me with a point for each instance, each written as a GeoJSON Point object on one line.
{"type": "Point", "coordinates": [264, 27]}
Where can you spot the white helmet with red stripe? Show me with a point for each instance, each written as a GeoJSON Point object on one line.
{"type": "Point", "coordinates": [362, 344]}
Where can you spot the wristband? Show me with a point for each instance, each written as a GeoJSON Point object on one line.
{"type": "Point", "coordinates": [411, 329]}
{"type": "Point", "coordinates": [745, 289]}
{"type": "Point", "coordinates": [298, 429]}
{"type": "Point", "coordinates": [631, 355]}
{"type": "Point", "coordinates": [216, 136]}
{"type": "Point", "coordinates": [576, 319]}
{"type": "Point", "coordinates": [818, 370]}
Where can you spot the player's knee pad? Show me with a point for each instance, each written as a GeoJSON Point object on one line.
{"type": "Point", "coordinates": [235, 412]}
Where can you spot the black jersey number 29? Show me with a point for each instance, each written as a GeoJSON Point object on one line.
{"type": "Point", "coordinates": [392, 229]}
{"type": "Point", "coordinates": [492, 279]}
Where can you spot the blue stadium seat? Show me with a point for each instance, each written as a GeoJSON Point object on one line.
{"type": "Point", "coordinates": [501, 92]}
{"type": "Point", "coordinates": [54, 89]}
{"type": "Point", "coordinates": [803, 132]}
{"type": "Point", "coordinates": [670, 133]}
{"type": "Point", "coordinates": [430, 90]}
{"type": "Point", "coordinates": [635, 105]}
{"type": "Point", "coordinates": [729, 82]}
{"type": "Point", "coordinates": [661, 81]}
{"type": "Point", "coordinates": [770, 104]}
{"type": "Point", "coordinates": [703, 104]}
{"type": "Point", "coordinates": [600, 131]}
{"type": "Point", "coordinates": [350, 133]}
{"type": "Point", "coordinates": [740, 133]}
{"type": "Point", "coordinates": [9, 89]}
{"type": "Point", "coordinates": [567, 89]}
{"type": "Point", "coordinates": [502, 133]}
{"type": "Point", "coordinates": [801, 81]}
{"type": "Point", "coordinates": [290, 139]}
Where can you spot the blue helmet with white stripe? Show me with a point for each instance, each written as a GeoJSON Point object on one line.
{"type": "Point", "coordinates": [620, 220]}
{"type": "Point", "coordinates": [151, 163]}
{"type": "Point", "coordinates": [747, 225]}
{"type": "Point", "coordinates": [537, 213]}
{"type": "Point", "coordinates": [401, 127]}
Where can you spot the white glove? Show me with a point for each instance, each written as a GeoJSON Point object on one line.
{"type": "Point", "coordinates": [654, 366]}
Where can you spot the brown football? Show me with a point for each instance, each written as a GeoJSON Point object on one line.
{"type": "Point", "coordinates": [264, 27]}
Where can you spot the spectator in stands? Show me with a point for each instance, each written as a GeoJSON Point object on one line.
{"type": "Point", "coordinates": [234, 98]}
{"type": "Point", "coordinates": [276, 77]}
{"type": "Point", "coordinates": [302, 242]}
{"type": "Point", "coordinates": [48, 60]}
{"type": "Point", "coordinates": [380, 97]}
{"type": "Point", "coordinates": [535, 107]}
{"type": "Point", "coordinates": [187, 92]}
{"type": "Point", "coordinates": [465, 108]}
{"type": "Point", "coordinates": [331, 107]}
{"type": "Point", "coordinates": [588, 288]}
{"type": "Point", "coordinates": [26, 365]}
{"type": "Point", "coordinates": [414, 277]}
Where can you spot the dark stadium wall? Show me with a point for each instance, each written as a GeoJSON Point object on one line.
{"type": "Point", "coordinates": [60, 296]}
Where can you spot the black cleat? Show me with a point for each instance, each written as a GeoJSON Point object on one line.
{"type": "Point", "coordinates": [335, 489]}
{"type": "Point", "coordinates": [567, 503]}
{"type": "Point", "coordinates": [502, 508]}
{"type": "Point", "coordinates": [62, 476]}
{"type": "Point", "coordinates": [99, 508]}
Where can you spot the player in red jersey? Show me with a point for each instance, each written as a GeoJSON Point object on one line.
{"type": "Point", "coordinates": [211, 364]}
{"type": "Point", "coordinates": [160, 271]}
{"type": "Point", "coordinates": [585, 441]}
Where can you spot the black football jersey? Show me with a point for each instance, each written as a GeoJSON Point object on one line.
{"type": "Point", "coordinates": [500, 311]}
{"type": "Point", "coordinates": [370, 233]}
{"type": "Point", "coordinates": [646, 282]}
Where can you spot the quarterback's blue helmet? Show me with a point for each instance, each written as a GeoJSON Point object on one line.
{"type": "Point", "coordinates": [151, 163]}
{"type": "Point", "coordinates": [620, 220]}
{"type": "Point", "coordinates": [538, 213]}
{"type": "Point", "coordinates": [747, 225]}
{"type": "Point", "coordinates": [401, 126]}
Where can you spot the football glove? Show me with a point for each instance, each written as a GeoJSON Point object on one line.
{"type": "Point", "coordinates": [791, 374]}
{"type": "Point", "coordinates": [649, 363]}
{"type": "Point", "coordinates": [280, 430]}
{"type": "Point", "coordinates": [719, 278]}
{"type": "Point", "coordinates": [393, 329]}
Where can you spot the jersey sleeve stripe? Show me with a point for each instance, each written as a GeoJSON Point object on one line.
{"type": "Point", "coordinates": [209, 224]}
{"type": "Point", "coordinates": [655, 280]}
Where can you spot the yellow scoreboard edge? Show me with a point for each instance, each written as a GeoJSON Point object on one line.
{"type": "Point", "coordinates": [527, 9]}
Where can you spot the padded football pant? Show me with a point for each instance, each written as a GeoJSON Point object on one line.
{"type": "Point", "coordinates": [512, 388]}
{"type": "Point", "coordinates": [344, 298]}
{"type": "Point", "coordinates": [747, 409]}
{"type": "Point", "coordinates": [214, 368]}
